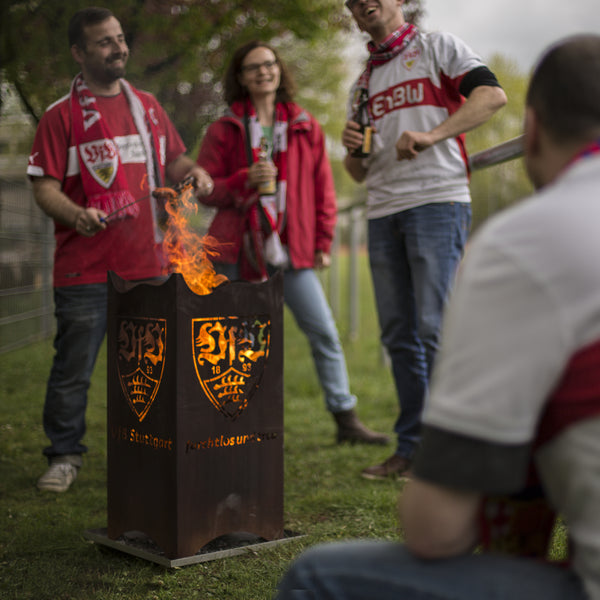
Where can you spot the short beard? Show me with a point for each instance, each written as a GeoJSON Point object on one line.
{"type": "Point", "coordinates": [108, 73]}
{"type": "Point", "coordinates": [117, 72]}
{"type": "Point", "coordinates": [114, 73]}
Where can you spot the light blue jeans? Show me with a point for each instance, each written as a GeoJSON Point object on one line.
{"type": "Point", "coordinates": [304, 296]}
{"type": "Point", "coordinates": [372, 570]}
{"type": "Point", "coordinates": [80, 312]}
{"type": "Point", "coordinates": [413, 257]}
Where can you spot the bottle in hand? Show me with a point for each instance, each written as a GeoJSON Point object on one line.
{"type": "Point", "coordinates": [364, 149]}
{"type": "Point", "coordinates": [267, 187]}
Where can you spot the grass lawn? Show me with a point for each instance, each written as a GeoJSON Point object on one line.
{"type": "Point", "coordinates": [43, 551]}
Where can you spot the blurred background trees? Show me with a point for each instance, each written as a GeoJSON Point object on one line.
{"type": "Point", "coordinates": [180, 49]}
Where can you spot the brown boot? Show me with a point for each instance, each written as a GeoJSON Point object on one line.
{"type": "Point", "coordinates": [395, 466]}
{"type": "Point", "coordinates": [350, 429]}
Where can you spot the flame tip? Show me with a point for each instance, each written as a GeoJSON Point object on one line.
{"type": "Point", "coordinates": [188, 252]}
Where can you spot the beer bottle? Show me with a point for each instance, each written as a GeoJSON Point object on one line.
{"type": "Point", "coordinates": [362, 119]}
{"type": "Point", "coordinates": [267, 187]}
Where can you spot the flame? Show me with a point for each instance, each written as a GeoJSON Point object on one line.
{"type": "Point", "coordinates": [188, 253]}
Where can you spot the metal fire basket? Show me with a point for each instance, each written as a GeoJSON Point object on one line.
{"type": "Point", "coordinates": [195, 412]}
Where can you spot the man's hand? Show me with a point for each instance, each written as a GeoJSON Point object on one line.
{"type": "Point", "coordinates": [352, 137]}
{"type": "Point", "coordinates": [90, 221]}
{"type": "Point", "coordinates": [481, 104]}
{"type": "Point", "coordinates": [411, 143]}
{"type": "Point", "coordinates": [204, 184]}
{"type": "Point", "coordinates": [438, 522]}
{"type": "Point", "coordinates": [183, 167]}
{"type": "Point", "coordinates": [57, 205]}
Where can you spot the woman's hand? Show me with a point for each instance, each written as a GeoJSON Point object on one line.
{"type": "Point", "coordinates": [322, 259]}
{"type": "Point", "coordinates": [261, 171]}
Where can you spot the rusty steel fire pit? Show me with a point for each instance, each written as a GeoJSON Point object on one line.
{"type": "Point", "coordinates": [195, 412]}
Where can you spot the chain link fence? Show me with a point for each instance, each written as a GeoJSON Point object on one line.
{"type": "Point", "coordinates": [26, 250]}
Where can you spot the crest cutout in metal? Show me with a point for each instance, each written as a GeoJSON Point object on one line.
{"type": "Point", "coordinates": [230, 354]}
{"type": "Point", "coordinates": [141, 360]}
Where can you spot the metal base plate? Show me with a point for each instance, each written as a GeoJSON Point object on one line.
{"type": "Point", "coordinates": [139, 544]}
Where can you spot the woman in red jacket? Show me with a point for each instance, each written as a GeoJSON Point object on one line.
{"type": "Point", "coordinates": [276, 209]}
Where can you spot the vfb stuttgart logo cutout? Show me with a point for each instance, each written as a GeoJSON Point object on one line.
{"type": "Point", "coordinates": [141, 359]}
{"type": "Point", "coordinates": [230, 354]}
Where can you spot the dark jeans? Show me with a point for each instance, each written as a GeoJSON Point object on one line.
{"type": "Point", "coordinates": [81, 324]}
{"type": "Point", "coordinates": [413, 256]}
{"type": "Point", "coordinates": [387, 571]}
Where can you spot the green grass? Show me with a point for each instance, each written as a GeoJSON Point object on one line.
{"type": "Point", "coordinates": [43, 551]}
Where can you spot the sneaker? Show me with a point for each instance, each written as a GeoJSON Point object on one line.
{"type": "Point", "coordinates": [60, 474]}
{"type": "Point", "coordinates": [395, 466]}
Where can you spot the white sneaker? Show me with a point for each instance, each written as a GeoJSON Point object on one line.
{"type": "Point", "coordinates": [59, 476]}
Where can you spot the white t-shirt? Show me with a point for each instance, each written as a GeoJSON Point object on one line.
{"type": "Point", "coordinates": [527, 299]}
{"type": "Point", "coordinates": [416, 91]}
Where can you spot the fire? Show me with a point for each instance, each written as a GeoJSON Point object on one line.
{"type": "Point", "coordinates": [188, 252]}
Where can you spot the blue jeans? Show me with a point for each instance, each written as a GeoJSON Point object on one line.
{"type": "Point", "coordinates": [304, 296]}
{"type": "Point", "coordinates": [387, 571]}
{"type": "Point", "coordinates": [80, 327]}
{"type": "Point", "coordinates": [413, 257]}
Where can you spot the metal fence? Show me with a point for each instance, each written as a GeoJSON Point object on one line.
{"type": "Point", "coordinates": [351, 221]}
{"type": "Point", "coordinates": [27, 245]}
{"type": "Point", "coordinates": [26, 248]}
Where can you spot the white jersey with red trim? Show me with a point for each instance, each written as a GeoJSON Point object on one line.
{"type": "Point", "coordinates": [526, 308]}
{"type": "Point", "coordinates": [416, 91]}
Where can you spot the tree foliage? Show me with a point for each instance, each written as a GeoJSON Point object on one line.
{"type": "Point", "coordinates": [179, 49]}
{"type": "Point", "coordinates": [496, 187]}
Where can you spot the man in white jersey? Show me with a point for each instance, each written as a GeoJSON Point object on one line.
{"type": "Point", "coordinates": [511, 434]}
{"type": "Point", "coordinates": [97, 155]}
{"type": "Point", "coordinates": [421, 92]}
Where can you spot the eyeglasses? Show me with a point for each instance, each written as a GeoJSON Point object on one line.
{"type": "Point", "coordinates": [255, 67]}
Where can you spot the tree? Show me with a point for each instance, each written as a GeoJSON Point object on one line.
{"type": "Point", "coordinates": [496, 187]}
{"type": "Point", "coordinates": [179, 49]}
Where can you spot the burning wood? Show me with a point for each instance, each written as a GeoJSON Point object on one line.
{"type": "Point", "coordinates": [188, 253]}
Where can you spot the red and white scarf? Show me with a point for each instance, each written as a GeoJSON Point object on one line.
{"type": "Point", "coordinates": [267, 216]}
{"type": "Point", "coordinates": [393, 45]}
{"type": "Point", "coordinates": [102, 175]}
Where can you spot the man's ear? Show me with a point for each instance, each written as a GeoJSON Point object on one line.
{"type": "Point", "coordinates": [77, 53]}
{"type": "Point", "coordinates": [531, 126]}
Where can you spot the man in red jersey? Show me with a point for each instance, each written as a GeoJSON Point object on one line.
{"type": "Point", "coordinates": [97, 155]}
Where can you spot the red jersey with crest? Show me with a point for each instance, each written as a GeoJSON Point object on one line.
{"type": "Point", "coordinates": [416, 91]}
{"type": "Point", "coordinates": [128, 245]}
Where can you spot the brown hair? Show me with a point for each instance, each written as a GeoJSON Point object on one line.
{"type": "Point", "coordinates": [564, 90]}
{"type": "Point", "coordinates": [91, 15]}
{"type": "Point", "coordinates": [234, 90]}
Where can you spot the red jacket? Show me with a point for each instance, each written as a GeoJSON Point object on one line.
{"type": "Point", "coordinates": [311, 201]}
